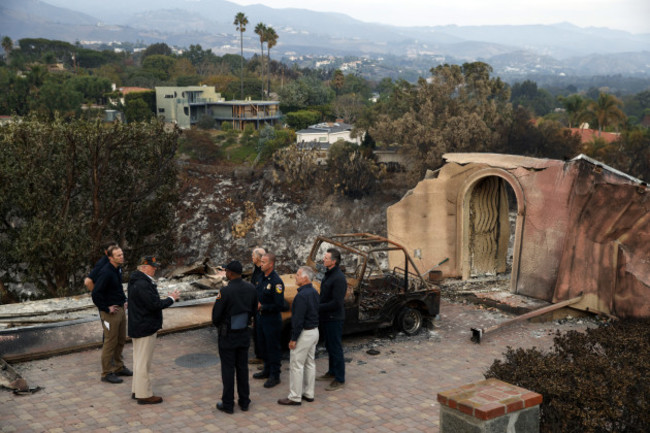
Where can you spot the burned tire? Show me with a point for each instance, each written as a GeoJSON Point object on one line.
{"type": "Point", "coordinates": [409, 320]}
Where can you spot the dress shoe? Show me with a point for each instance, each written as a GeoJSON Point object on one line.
{"type": "Point", "coordinates": [307, 399]}
{"type": "Point", "coordinates": [111, 378]}
{"type": "Point", "coordinates": [271, 382]}
{"type": "Point", "coordinates": [124, 372]}
{"type": "Point", "coordinates": [154, 399]}
{"type": "Point", "coordinates": [261, 375]}
{"type": "Point", "coordinates": [287, 402]}
{"type": "Point", "coordinates": [335, 386]}
{"type": "Point", "coordinates": [223, 409]}
{"type": "Point", "coordinates": [327, 377]}
{"type": "Point", "coordinates": [243, 408]}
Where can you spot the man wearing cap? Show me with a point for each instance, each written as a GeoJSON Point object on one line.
{"type": "Point", "coordinates": [304, 337]}
{"type": "Point", "coordinates": [232, 312]}
{"type": "Point", "coordinates": [145, 319]}
{"type": "Point", "coordinates": [108, 296]}
{"type": "Point", "coordinates": [270, 292]}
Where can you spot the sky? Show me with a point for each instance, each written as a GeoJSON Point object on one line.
{"type": "Point", "coordinates": [629, 15]}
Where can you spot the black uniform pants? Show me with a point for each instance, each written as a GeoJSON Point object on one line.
{"type": "Point", "coordinates": [233, 351]}
{"type": "Point", "coordinates": [271, 326]}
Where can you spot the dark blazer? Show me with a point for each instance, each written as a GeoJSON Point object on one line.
{"type": "Point", "coordinates": [145, 306]}
{"type": "Point", "coordinates": [332, 294]}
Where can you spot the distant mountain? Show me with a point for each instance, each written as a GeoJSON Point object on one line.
{"type": "Point", "coordinates": [560, 48]}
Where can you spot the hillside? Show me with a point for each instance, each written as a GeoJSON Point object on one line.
{"type": "Point", "coordinates": [304, 33]}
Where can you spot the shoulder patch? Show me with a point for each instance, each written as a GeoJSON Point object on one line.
{"type": "Point", "coordinates": [279, 288]}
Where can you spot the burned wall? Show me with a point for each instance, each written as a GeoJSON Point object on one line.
{"type": "Point", "coordinates": [580, 227]}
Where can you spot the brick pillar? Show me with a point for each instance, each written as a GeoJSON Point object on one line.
{"type": "Point", "coordinates": [489, 406]}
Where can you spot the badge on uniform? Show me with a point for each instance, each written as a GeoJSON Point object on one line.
{"type": "Point", "coordinates": [268, 287]}
{"type": "Point", "coordinates": [279, 288]}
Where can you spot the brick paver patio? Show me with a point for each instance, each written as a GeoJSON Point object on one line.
{"type": "Point", "coordinates": [394, 391]}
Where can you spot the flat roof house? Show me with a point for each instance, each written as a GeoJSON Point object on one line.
{"type": "Point", "coordinates": [326, 132]}
{"type": "Point", "coordinates": [186, 105]}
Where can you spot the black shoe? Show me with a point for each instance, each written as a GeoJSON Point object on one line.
{"type": "Point", "coordinates": [243, 408]}
{"type": "Point", "coordinates": [307, 399]}
{"type": "Point", "coordinates": [111, 378]}
{"type": "Point", "coordinates": [261, 375]}
{"type": "Point", "coordinates": [133, 396]}
{"type": "Point", "coordinates": [223, 409]}
{"type": "Point", "coordinates": [124, 372]}
{"type": "Point", "coordinates": [271, 382]}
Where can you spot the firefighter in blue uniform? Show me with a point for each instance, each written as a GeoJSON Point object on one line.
{"type": "Point", "coordinates": [270, 292]}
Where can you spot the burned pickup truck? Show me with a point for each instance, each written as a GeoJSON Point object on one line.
{"type": "Point", "coordinates": [377, 296]}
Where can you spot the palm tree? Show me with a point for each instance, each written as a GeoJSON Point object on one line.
{"type": "Point", "coordinates": [575, 106]}
{"type": "Point", "coordinates": [271, 38]}
{"type": "Point", "coordinates": [241, 21]}
{"type": "Point", "coordinates": [260, 30]}
{"type": "Point", "coordinates": [607, 110]}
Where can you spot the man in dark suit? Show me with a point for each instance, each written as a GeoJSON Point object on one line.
{"type": "Point", "coordinates": [145, 319]}
{"type": "Point", "coordinates": [232, 312]}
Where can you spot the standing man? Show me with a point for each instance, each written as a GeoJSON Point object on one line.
{"type": "Point", "coordinates": [332, 314]}
{"type": "Point", "coordinates": [304, 337]}
{"type": "Point", "coordinates": [108, 296]}
{"type": "Point", "coordinates": [145, 319]}
{"type": "Point", "coordinates": [270, 292]}
{"type": "Point", "coordinates": [91, 279]}
{"type": "Point", "coordinates": [256, 277]}
{"type": "Point", "coordinates": [233, 309]}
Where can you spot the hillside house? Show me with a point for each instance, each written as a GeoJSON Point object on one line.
{"type": "Point", "coordinates": [184, 106]}
{"type": "Point", "coordinates": [326, 132]}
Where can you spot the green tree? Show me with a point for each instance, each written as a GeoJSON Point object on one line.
{"type": "Point", "coordinates": [240, 22]}
{"type": "Point", "coordinates": [271, 38]}
{"type": "Point", "coordinates": [575, 107]}
{"type": "Point", "coordinates": [160, 48]}
{"type": "Point", "coordinates": [260, 30]}
{"type": "Point", "coordinates": [136, 110]}
{"type": "Point", "coordinates": [68, 185]}
{"type": "Point", "coordinates": [301, 119]}
{"type": "Point", "coordinates": [159, 65]}
{"type": "Point", "coordinates": [7, 46]}
{"type": "Point", "coordinates": [607, 110]}
{"type": "Point", "coordinates": [460, 109]}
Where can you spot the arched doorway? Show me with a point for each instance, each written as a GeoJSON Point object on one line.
{"type": "Point", "coordinates": [489, 240]}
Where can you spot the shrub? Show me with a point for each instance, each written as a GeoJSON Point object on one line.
{"type": "Point", "coordinates": [592, 382]}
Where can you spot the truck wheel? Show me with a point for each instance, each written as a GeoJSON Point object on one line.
{"type": "Point", "coordinates": [409, 320]}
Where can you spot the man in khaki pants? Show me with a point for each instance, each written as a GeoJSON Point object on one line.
{"type": "Point", "coordinates": [145, 319]}
{"type": "Point", "coordinates": [108, 296]}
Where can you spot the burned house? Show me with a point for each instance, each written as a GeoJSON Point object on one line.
{"type": "Point", "coordinates": [560, 228]}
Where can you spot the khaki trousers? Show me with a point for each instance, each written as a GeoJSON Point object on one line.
{"type": "Point", "coordinates": [142, 356]}
{"type": "Point", "coordinates": [302, 366]}
{"type": "Point", "coordinates": [114, 326]}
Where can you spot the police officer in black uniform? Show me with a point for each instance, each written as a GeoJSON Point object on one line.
{"type": "Point", "coordinates": [270, 292]}
{"type": "Point", "coordinates": [235, 305]}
